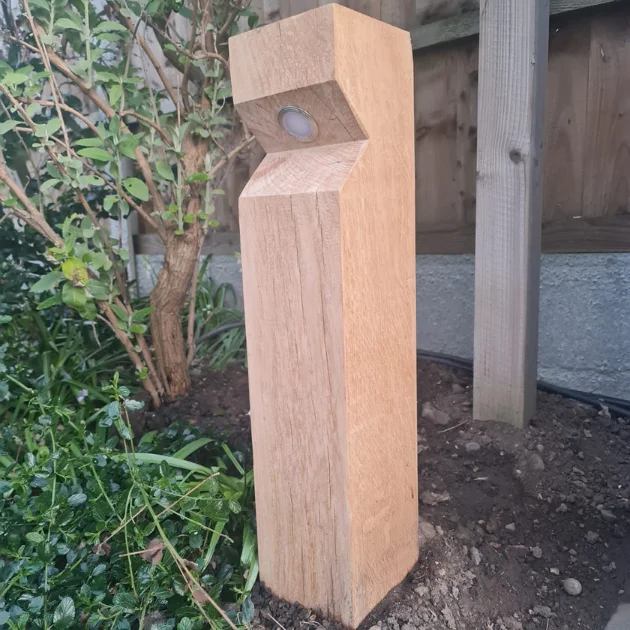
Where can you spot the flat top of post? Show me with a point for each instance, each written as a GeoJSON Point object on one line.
{"type": "Point", "coordinates": [294, 53]}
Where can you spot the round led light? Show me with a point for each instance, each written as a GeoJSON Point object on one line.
{"type": "Point", "coordinates": [297, 122]}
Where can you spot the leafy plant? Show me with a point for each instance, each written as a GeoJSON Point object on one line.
{"type": "Point", "coordinates": [214, 313]}
{"type": "Point", "coordinates": [65, 361]}
{"type": "Point", "coordinates": [98, 532]}
{"type": "Point", "coordinates": [176, 141]}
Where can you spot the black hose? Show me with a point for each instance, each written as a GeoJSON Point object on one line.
{"type": "Point", "coordinates": [618, 406]}
{"type": "Point", "coordinates": [220, 329]}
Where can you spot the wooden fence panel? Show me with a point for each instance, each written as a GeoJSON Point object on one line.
{"type": "Point", "coordinates": [586, 160]}
{"type": "Point", "coordinates": [586, 191]}
{"type": "Point", "coordinates": [565, 120]}
{"type": "Point", "coordinates": [607, 149]}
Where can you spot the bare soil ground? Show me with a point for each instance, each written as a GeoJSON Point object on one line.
{"type": "Point", "coordinates": [506, 516]}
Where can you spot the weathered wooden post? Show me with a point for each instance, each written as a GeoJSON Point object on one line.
{"type": "Point", "coordinates": [512, 78]}
{"type": "Point", "coordinates": [328, 253]}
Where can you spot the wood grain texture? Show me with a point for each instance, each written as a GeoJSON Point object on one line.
{"type": "Point", "coordinates": [462, 23]}
{"type": "Point", "coordinates": [327, 230]}
{"type": "Point", "coordinates": [565, 120]}
{"type": "Point", "coordinates": [607, 147]}
{"type": "Point", "coordinates": [512, 79]}
{"type": "Point", "coordinates": [446, 137]}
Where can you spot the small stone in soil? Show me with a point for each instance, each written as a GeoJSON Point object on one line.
{"type": "Point", "coordinates": [429, 412]}
{"type": "Point", "coordinates": [426, 532]}
{"type": "Point", "coordinates": [591, 537]}
{"type": "Point", "coordinates": [542, 611]}
{"type": "Point", "coordinates": [572, 587]}
{"type": "Point", "coordinates": [608, 516]}
{"type": "Point", "coordinates": [473, 447]}
{"type": "Point", "coordinates": [475, 556]}
{"type": "Point", "coordinates": [562, 508]}
{"type": "Point", "coordinates": [537, 552]}
{"type": "Point", "coordinates": [511, 527]}
{"type": "Point", "coordinates": [433, 498]}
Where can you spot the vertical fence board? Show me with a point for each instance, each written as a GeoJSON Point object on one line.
{"type": "Point", "coordinates": [565, 120]}
{"type": "Point", "coordinates": [607, 150]}
{"type": "Point", "coordinates": [512, 75]}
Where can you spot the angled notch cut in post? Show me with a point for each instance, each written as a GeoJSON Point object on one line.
{"type": "Point", "coordinates": [512, 77]}
{"type": "Point", "coordinates": [328, 254]}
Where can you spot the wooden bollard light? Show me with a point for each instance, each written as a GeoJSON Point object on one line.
{"type": "Point", "coordinates": [328, 252]}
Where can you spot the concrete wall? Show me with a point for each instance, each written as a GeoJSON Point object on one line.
{"type": "Point", "coordinates": [584, 313]}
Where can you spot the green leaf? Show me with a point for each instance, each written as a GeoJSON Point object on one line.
{"type": "Point", "coordinates": [98, 290]}
{"type": "Point", "coordinates": [91, 180]}
{"type": "Point", "coordinates": [247, 610]}
{"type": "Point", "coordinates": [120, 312]}
{"type": "Point", "coordinates": [197, 177]}
{"type": "Point", "coordinates": [64, 613]}
{"type": "Point", "coordinates": [49, 183]}
{"type": "Point", "coordinates": [137, 188]}
{"type": "Point", "coordinates": [75, 270]}
{"type": "Point", "coordinates": [7, 126]}
{"type": "Point", "coordinates": [53, 300]}
{"type": "Point", "coordinates": [138, 329]}
{"type": "Point", "coordinates": [164, 169]}
{"type": "Point", "coordinates": [154, 458]}
{"type": "Point", "coordinates": [77, 499]}
{"type": "Point", "coordinates": [195, 540]}
{"type": "Point", "coordinates": [36, 604]}
{"type": "Point", "coordinates": [185, 624]}
{"type": "Point", "coordinates": [128, 145]}
{"type": "Point", "coordinates": [125, 602]}
{"type": "Point", "coordinates": [5, 319]}
{"type": "Point", "coordinates": [141, 313]}
{"type": "Point", "coordinates": [14, 78]}
{"type": "Point", "coordinates": [115, 94]}
{"type": "Point", "coordinates": [191, 447]}
{"type": "Point", "coordinates": [35, 537]}
{"type": "Point", "coordinates": [93, 153]}
{"type": "Point", "coordinates": [107, 26]}
{"type": "Point", "coordinates": [89, 142]}
{"type": "Point", "coordinates": [107, 76]}
{"type": "Point", "coordinates": [74, 297]}
{"type": "Point", "coordinates": [134, 405]}
{"type": "Point", "coordinates": [5, 616]}
{"type": "Point", "coordinates": [53, 126]}
{"type": "Point", "coordinates": [109, 201]}
{"type": "Point", "coordinates": [47, 282]}
{"type": "Point", "coordinates": [113, 409]}
{"type": "Point", "coordinates": [63, 24]}
{"type": "Point", "coordinates": [101, 260]}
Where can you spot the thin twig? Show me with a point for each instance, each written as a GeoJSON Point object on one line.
{"type": "Point", "coordinates": [147, 51]}
{"type": "Point", "coordinates": [150, 123]}
{"type": "Point", "coordinates": [461, 424]}
{"type": "Point", "coordinates": [66, 108]}
{"type": "Point", "coordinates": [270, 616]}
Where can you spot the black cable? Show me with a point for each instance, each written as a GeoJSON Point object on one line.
{"type": "Point", "coordinates": [618, 406]}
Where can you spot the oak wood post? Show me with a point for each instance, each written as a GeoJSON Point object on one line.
{"type": "Point", "coordinates": [328, 253]}
{"type": "Point", "coordinates": [512, 77]}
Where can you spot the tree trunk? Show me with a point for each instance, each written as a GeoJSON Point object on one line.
{"type": "Point", "coordinates": [168, 299]}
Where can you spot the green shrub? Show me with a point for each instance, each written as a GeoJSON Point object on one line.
{"type": "Point", "coordinates": [97, 531]}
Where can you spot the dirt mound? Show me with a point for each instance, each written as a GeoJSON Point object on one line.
{"type": "Point", "coordinates": [512, 523]}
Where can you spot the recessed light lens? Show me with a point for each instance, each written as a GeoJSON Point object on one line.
{"type": "Point", "coordinates": [298, 123]}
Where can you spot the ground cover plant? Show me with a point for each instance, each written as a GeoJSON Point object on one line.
{"type": "Point", "coordinates": [101, 530]}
